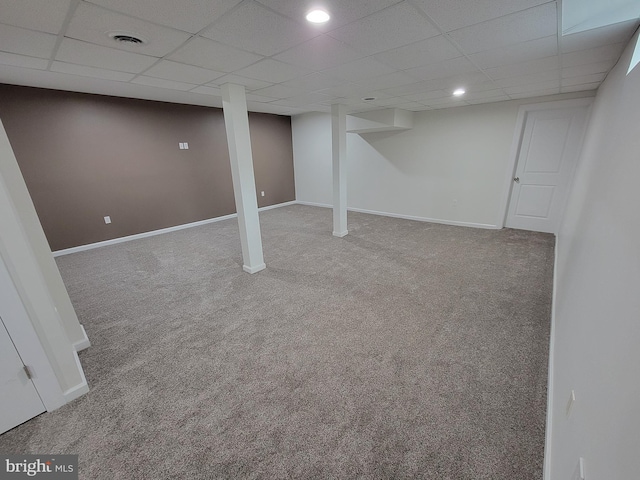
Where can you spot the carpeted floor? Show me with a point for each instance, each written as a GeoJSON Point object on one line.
{"type": "Point", "coordinates": [404, 350]}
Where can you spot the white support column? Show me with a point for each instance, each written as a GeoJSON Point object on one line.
{"type": "Point", "coordinates": [236, 120]}
{"type": "Point", "coordinates": [339, 153]}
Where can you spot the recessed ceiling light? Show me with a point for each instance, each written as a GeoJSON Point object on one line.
{"type": "Point", "coordinates": [127, 38]}
{"type": "Point", "coordinates": [318, 16]}
{"type": "Point", "coordinates": [459, 92]}
{"type": "Point", "coordinates": [368, 99]}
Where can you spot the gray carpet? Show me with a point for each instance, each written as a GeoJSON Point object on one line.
{"type": "Point", "coordinates": [404, 350]}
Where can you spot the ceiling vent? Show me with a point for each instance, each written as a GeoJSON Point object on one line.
{"type": "Point", "coordinates": [127, 38]}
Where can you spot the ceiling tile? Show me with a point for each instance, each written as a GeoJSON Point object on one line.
{"type": "Point", "coordinates": [495, 92]}
{"type": "Point", "coordinates": [524, 68]}
{"type": "Point", "coordinates": [537, 22]}
{"type": "Point", "coordinates": [180, 72]}
{"type": "Point", "coordinates": [249, 83]}
{"type": "Point", "coordinates": [518, 52]}
{"type": "Point", "coordinates": [345, 90]}
{"type": "Point", "coordinates": [302, 100]}
{"type": "Point", "coordinates": [26, 42]}
{"type": "Point", "coordinates": [536, 93]}
{"type": "Point", "coordinates": [45, 16]}
{"type": "Point", "coordinates": [252, 97]}
{"type": "Point", "coordinates": [253, 28]}
{"type": "Point", "coordinates": [443, 69]}
{"type": "Point", "coordinates": [82, 53]}
{"type": "Point", "coordinates": [188, 15]}
{"type": "Point", "coordinates": [580, 88]}
{"type": "Point", "coordinates": [424, 97]}
{"type": "Point", "coordinates": [593, 55]}
{"type": "Point", "coordinates": [413, 107]}
{"type": "Point", "coordinates": [342, 12]}
{"type": "Point", "coordinates": [593, 78]}
{"type": "Point", "coordinates": [319, 53]}
{"type": "Point", "coordinates": [532, 87]}
{"type": "Point", "coordinates": [92, 24]}
{"type": "Point", "coordinates": [409, 89]}
{"type": "Point", "coordinates": [279, 91]}
{"type": "Point", "coordinates": [389, 101]}
{"type": "Point", "coordinates": [391, 28]}
{"type": "Point", "coordinates": [359, 70]}
{"type": "Point", "coordinates": [162, 83]}
{"type": "Point", "coordinates": [206, 53]}
{"type": "Point", "coordinates": [589, 69]}
{"type": "Point", "coordinates": [313, 81]}
{"type": "Point", "coordinates": [94, 72]}
{"type": "Point", "coordinates": [204, 90]}
{"type": "Point", "coordinates": [497, 98]}
{"type": "Point", "coordinates": [23, 61]}
{"type": "Point", "coordinates": [449, 101]}
{"type": "Point", "coordinates": [424, 52]}
{"type": "Point", "coordinates": [616, 33]}
{"type": "Point", "coordinates": [550, 76]}
{"type": "Point", "coordinates": [389, 80]}
{"type": "Point", "coordinates": [272, 71]}
{"type": "Point", "coordinates": [454, 14]}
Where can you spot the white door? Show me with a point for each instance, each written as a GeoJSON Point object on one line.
{"type": "Point", "coordinates": [19, 400]}
{"type": "Point", "coordinates": [549, 148]}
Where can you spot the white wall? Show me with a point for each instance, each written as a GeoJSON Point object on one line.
{"type": "Point", "coordinates": [311, 136]}
{"type": "Point", "coordinates": [451, 167]}
{"type": "Point", "coordinates": [23, 247]}
{"type": "Point", "coordinates": [597, 311]}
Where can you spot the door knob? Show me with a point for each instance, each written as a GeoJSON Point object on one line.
{"type": "Point", "coordinates": [516, 179]}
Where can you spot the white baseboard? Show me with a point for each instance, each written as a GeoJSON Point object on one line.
{"type": "Point", "coordinates": [277, 205]}
{"type": "Point", "coordinates": [80, 389]}
{"type": "Point", "coordinates": [425, 219]}
{"type": "Point", "coordinates": [314, 204]}
{"type": "Point", "coordinates": [552, 341]}
{"type": "Point", "coordinates": [406, 217]}
{"type": "Point", "coordinates": [137, 236]}
{"type": "Point", "coordinates": [84, 343]}
{"type": "Point", "coordinates": [255, 269]}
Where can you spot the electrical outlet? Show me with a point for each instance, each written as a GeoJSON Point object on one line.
{"type": "Point", "coordinates": [262, 194]}
{"type": "Point", "coordinates": [186, 146]}
{"type": "Point", "coordinates": [181, 145]}
{"type": "Point", "coordinates": [107, 219]}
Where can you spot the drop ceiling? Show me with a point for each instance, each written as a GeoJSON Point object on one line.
{"type": "Point", "coordinates": [407, 54]}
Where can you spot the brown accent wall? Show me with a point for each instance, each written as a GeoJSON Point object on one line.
{"type": "Point", "coordinates": [87, 156]}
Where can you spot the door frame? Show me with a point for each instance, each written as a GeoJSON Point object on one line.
{"type": "Point", "coordinates": [24, 337]}
{"type": "Point", "coordinates": [518, 134]}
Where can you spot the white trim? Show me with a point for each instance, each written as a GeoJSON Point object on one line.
{"type": "Point", "coordinates": [81, 388]}
{"type": "Point", "coordinates": [255, 269]}
{"type": "Point", "coordinates": [552, 341]}
{"type": "Point", "coordinates": [425, 219]}
{"type": "Point", "coordinates": [406, 217]}
{"type": "Point", "coordinates": [24, 337]}
{"type": "Point", "coordinates": [83, 343]}
{"type": "Point", "coordinates": [277, 205]}
{"type": "Point", "coordinates": [137, 236]}
{"type": "Point", "coordinates": [523, 110]}
{"type": "Point", "coordinates": [314, 204]}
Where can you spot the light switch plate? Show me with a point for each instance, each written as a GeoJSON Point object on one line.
{"type": "Point", "coordinates": [107, 219]}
